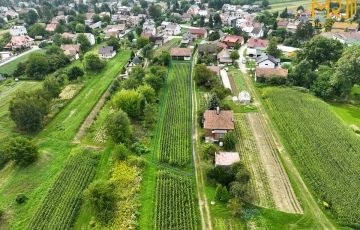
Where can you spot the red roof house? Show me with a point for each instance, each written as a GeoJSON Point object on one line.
{"type": "Point", "coordinates": [259, 44]}
{"type": "Point", "coordinates": [230, 40]}
{"type": "Point", "coordinates": [201, 32]}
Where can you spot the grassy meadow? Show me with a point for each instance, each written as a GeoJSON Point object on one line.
{"type": "Point", "coordinates": [55, 145]}
{"type": "Point", "coordinates": [9, 67]}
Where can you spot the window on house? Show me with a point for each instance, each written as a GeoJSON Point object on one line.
{"type": "Point", "coordinates": [220, 135]}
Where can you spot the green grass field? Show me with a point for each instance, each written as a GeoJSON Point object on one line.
{"type": "Point", "coordinates": [55, 144]}
{"type": "Point", "coordinates": [279, 5]}
{"type": "Point", "coordinates": [7, 91]}
{"type": "Point", "coordinates": [9, 67]}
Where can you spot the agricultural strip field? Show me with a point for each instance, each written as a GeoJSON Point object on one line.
{"type": "Point", "coordinates": [9, 67]}
{"type": "Point", "coordinates": [6, 93]}
{"type": "Point", "coordinates": [60, 206]}
{"type": "Point", "coordinates": [174, 203]}
{"type": "Point", "coordinates": [174, 146]}
{"type": "Point", "coordinates": [325, 150]}
{"type": "Point", "coordinates": [66, 124]}
{"type": "Point", "coordinates": [291, 5]}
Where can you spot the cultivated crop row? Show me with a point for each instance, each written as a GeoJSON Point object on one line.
{"type": "Point", "coordinates": [175, 139]}
{"type": "Point", "coordinates": [174, 202]}
{"type": "Point", "coordinates": [60, 206]}
{"type": "Point", "coordinates": [326, 151]}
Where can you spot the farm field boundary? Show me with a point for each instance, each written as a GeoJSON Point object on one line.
{"type": "Point", "coordinates": [173, 147]}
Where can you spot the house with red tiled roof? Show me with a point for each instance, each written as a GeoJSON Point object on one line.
{"type": "Point", "coordinates": [68, 35]}
{"type": "Point", "coordinates": [257, 43]}
{"type": "Point", "coordinates": [19, 42]}
{"type": "Point", "coordinates": [200, 32]}
{"type": "Point", "coordinates": [282, 23]}
{"type": "Point", "coordinates": [230, 40]}
{"type": "Point", "coordinates": [265, 73]}
{"type": "Point", "coordinates": [217, 123]}
{"type": "Point", "coordinates": [221, 45]}
{"type": "Point", "coordinates": [50, 27]}
{"type": "Point", "coordinates": [72, 50]}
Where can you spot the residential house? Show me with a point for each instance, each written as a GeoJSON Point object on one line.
{"type": "Point", "coordinates": [181, 53]}
{"type": "Point", "coordinates": [106, 52]}
{"type": "Point", "coordinates": [230, 40]}
{"type": "Point", "coordinates": [111, 32]}
{"type": "Point", "coordinates": [18, 30]}
{"type": "Point", "coordinates": [135, 61]}
{"type": "Point", "coordinates": [173, 29]}
{"type": "Point", "coordinates": [267, 61]}
{"type": "Point", "coordinates": [133, 20]}
{"type": "Point", "coordinates": [265, 73]}
{"type": "Point", "coordinates": [226, 159]}
{"type": "Point", "coordinates": [256, 33]}
{"type": "Point", "coordinates": [217, 123]}
{"type": "Point", "coordinates": [145, 35]}
{"type": "Point", "coordinates": [186, 17]}
{"type": "Point", "coordinates": [157, 40]}
{"type": "Point", "coordinates": [50, 27]}
{"type": "Point", "coordinates": [12, 14]}
{"type": "Point", "coordinates": [193, 10]}
{"type": "Point", "coordinates": [103, 14]}
{"type": "Point", "coordinates": [90, 37]}
{"type": "Point", "coordinates": [96, 25]}
{"type": "Point", "coordinates": [256, 43]}
{"type": "Point", "coordinates": [119, 27]}
{"type": "Point", "coordinates": [287, 50]}
{"type": "Point", "coordinates": [203, 13]}
{"type": "Point", "coordinates": [71, 49]}
{"type": "Point", "coordinates": [344, 27]}
{"type": "Point", "coordinates": [208, 48]}
{"type": "Point", "coordinates": [291, 27]}
{"type": "Point", "coordinates": [68, 35]}
{"type": "Point", "coordinates": [123, 18]}
{"type": "Point", "coordinates": [222, 45]}
{"type": "Point", "coordinates": [19, 42]}
{"type": "Point", "coordinates": [347, 38]}
{"type": "Point", "coordinates": [216, 69]}
{"type": "Point", "coordinates": [149, 28]}
{"type": "Point", "coordinates": [253, 53]}
{"type": "Point", "coordinates": [188, 38]}
{"type": "Point", "coordinates": [224, 57]}
{"type": "Point", "coordinates": [282, 23]}
{"type": "Point", "coordinates": [200, 33]}
{"type": "Point", "coordinates": [244, 97]}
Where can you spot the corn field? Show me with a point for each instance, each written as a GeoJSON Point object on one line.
{"type": "Point", "coordinates": [175, 130]}
{"type": "Point", "coordinates": [60, 206]}
{"type": "Point", "coordinates": [174, 202]}
{"type": "Point", "coordinates": [324, 148]}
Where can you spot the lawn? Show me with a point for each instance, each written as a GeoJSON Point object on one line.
{"type": "Point", "coordinates": [7, 91]}
{"type": "Point", "coordinates": [9, 67]}
{"type": "Point", "coordinates": [280, 5]}
{"type": "Point", "coordinates": [348, 112]}
{"type": "Point", "coordinates": [55, 146]}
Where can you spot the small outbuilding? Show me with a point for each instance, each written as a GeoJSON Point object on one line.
{"type": "Point", "coordinates": [180, 53]}
{"type": "Point", "coordinates": [244, 97]}
{"type": "Point", "coordinates": [226, 159]}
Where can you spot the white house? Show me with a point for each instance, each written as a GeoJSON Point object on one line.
{"type": "Point", "coordinates": [89, 36]}
{"type": "Point", "coordinates": [253, 53]}
{"type": "Point", "coordinates": [267, 61]}
{"type": "Point", "coordinates": [244, 97]}
{"type": "Point", "coordinates": [106, 52]}
{"type": "Point", "coordinates": [18, 30]}
{"type": "Point", "coordinates": [173, 29]}
{"type": "Point", "coordinates": [256, 33]}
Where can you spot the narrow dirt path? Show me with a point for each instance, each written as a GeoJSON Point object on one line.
{"type": "Point", "coordinates": [312, 208]}
{"type": "Point", "coordinates": [89, 119]}
{"type": "Point", "coordinates": [200, 184]}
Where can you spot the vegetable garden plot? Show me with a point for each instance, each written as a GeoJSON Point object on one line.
{"type": "Point", "coordinates": [174, 202]}
{"type": "Point", "coordinates": [174, 144]}
{"type": "Point", "coordinates": [326, 151]}
{"type": "Point", "coordinates": [60, 206]}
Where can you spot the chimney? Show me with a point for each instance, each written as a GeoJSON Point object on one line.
{"type": "Point", "coordinates": [218, 110]}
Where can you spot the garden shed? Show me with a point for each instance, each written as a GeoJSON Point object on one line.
{"type": "Point", "coordinates": [244, 97]}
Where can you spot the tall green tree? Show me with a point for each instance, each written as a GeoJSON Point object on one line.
{"type": "Point", "coordinates": [37, 66]}
{"type": "Point", "coordinates": [22, 151]}
{"type": "Point", "coordinates": [319, 51]}
{"type": "Point", "coordinates": [284, 14]}
{"type": "Point", "coordinates": [154, 12]}
{"type": "Point", "coordinates": [347, 70]}
{"type": "Point", "coordinates": [234, 55]}
{"type": "Point", "coordinates": [211, 22]}
{"type": "Point", "coordinates": [59, 29]}
{"type": "Point", "coordinates": [128, 101]}
{"type": "Point", "coordinates": [52, 86]}
{"type": "Point", "coordinates": [114, 42]}
{"type": "Point", "coordinates": [75, 72]}
{"type": "Point", "coordinates": [32, 17]}
{"type": "Point", "coordinates": [141, 42]}
{"type": "Point", "coordinates": [84, 42]}
{"type": "Point", "coordinates": [80, 28]}
{"type": "Point", "coordinates": [148, 51]}
{"type": "Point", "coordinates": [118, 126]}
{"type": "Point", "coordinates": [229, 141]}
{"type": "Point", "coordinates": [27, 110]}
{"type": "Point", "coordinates": [272, 48]}
{"type": "Point", "coordinates": [217, 19]}
{"type": "Point", "coordinates": [164, 58]}
{"type": "Point", "coordinates": [93, 62]}
{"type": "Point", "coordinates": [204, 76]}
{"type": "Point", "coordinates": [304, 31]}
{"type": "Point", "coordinates": [213, 102]}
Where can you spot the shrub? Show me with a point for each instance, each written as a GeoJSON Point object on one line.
{"type": "Point", "coordinates": [229, 141]}
{"type": "Point", "coordinates": [21, 198]}
{"type": "Point", "coordinates": [120, 152]}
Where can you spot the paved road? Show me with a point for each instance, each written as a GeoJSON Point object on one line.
{"type": "Point", "coordinates": [26, 52]}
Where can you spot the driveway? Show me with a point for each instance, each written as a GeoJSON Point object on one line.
{"type": "Point", "coordinates": [241, 51]}
{"type": "Point", "coordinates": [34, 48]}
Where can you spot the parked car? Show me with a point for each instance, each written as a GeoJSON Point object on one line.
{"type": "Point", "coordinates": [244, 61]}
